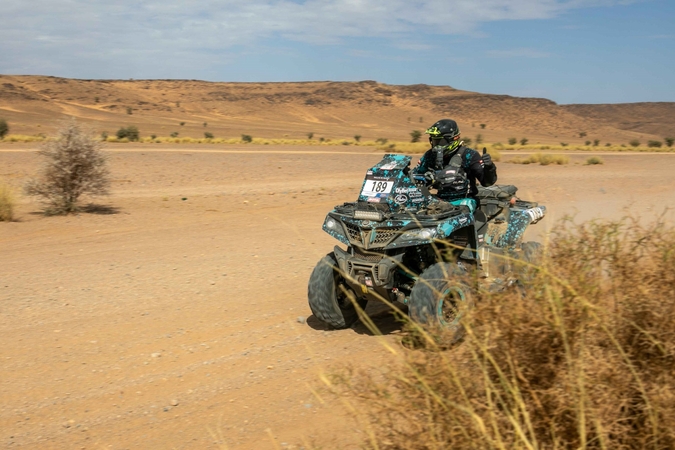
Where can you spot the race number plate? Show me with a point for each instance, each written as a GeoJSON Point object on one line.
{"type": "Point", "coordinates": [377, 187]}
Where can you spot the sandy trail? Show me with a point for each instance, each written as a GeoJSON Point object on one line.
{"type": "Point", "coordinates": [173, 323]}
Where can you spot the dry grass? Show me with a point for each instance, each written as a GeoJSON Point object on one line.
{"type": "Point", "coordinates": [6, 204]}
{"type": "Point", "coordinates": [541, 158]}
{"type": "Point", "coordinates": [24, 138]}
{"type": "Point", "coordinates": [583, 356]}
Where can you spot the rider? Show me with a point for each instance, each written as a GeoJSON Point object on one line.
{"type": "Point", "coordinates": [452, 167]}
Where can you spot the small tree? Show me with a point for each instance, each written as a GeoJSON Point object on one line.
{"type": "Point", "coordinates": [669, 141]}
{"type": "Point", "coordinates": [512, 141]}
{"type": "Point", "coordinates": [482, 126]}
{"type": "Point", "coordinates": [246, 138]}
{"type": "Point", "coordinates": [596, 142]}
{"type": "Point", "coordinates": [357, 138]}
{"type": "Point", "coordinates": [104, 135]}
{"type": "Point", "coordinates": [310, 136]}
{"type": "Point", "coordinates": [415, 135]}
{"type": "Point", "coordinates": [381, 141]}
{"type": "Point", "coordinates": [634, 143]}
{"type": "Point", "coordinates": [208, 135]}
{"type": "Point", "coordinates": [182, 124]}
{"type": "Point", "coordinates": [654, 144]}
{"type": "Point", "coordinates": [524, 141]}
{"type": "Point", "coordinates": [467, 141]}
{"type": "Point", "coordinates": [4, 128]}
{"type": "Point", "coordinates": [174, 134]}
{"type": "Point", "coordinates": [205, 124]}
{"type": "Point", "coordinates": [130, 111]}
{"type": "Point", "coordinates": [583, 134]}
{"type": "Point", "coordinates": [587, 143]}
{"type": "Point", "coordinates": [131, 133]}
{"type": "Point", "coordinates": [479, 139]}
{"type": "Point", "coordinates": [74, 166]}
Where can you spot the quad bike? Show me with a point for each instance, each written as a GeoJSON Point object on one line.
{"type": "Point", "coordinates": [405, 245]}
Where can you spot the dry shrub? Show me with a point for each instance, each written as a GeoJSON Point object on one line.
{"type": "Point", "coordinates": [583, 356]}
{"type": "Point", "coordinates": [543, 159]}
{"type": "Point", "coordinates": [6, 204]}
{"type": "Point", "coordinates": [74, 165]}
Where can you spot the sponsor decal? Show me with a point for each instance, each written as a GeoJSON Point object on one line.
{"type": "Point", "coordinates": [373, 199]}
{"type": "Point", "coordinates": [400, 198]}
{"type": "Point", "coordinates": [388, 166]}
{"type": "Point", "coordinates": [417, 200]}
{"type": "Point", "coordinates": [366, 223]}
{"type": "Point", "coordinates": [463, 220]}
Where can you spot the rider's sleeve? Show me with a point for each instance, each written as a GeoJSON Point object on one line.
{"type": "Point", "coordinates": [486, 175]}
{"type": "Point", "coordinates": [423, 166]}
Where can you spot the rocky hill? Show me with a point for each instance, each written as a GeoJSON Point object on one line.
{"type": "Point", "coordinates": [35, 104]}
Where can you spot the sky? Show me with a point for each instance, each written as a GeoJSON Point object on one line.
{"type": "Point", "coordinates": [569, 51]}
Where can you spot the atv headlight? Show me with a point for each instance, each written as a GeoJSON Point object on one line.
{"type": "Point", "coordinates": [420, 234]}
{"type": "Point", "coordinates": [334, 228]}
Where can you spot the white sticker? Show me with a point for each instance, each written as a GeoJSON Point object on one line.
{"type": "Point", "coordinates": [377, 188]}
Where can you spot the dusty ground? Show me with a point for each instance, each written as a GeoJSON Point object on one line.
{"type": "Point", "coordinates": [173, 321]}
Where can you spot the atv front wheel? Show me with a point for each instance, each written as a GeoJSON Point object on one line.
{"type": "Point", "coordinates": [441, 296]}
{"type": "Point", "coordinates": [329, 297]}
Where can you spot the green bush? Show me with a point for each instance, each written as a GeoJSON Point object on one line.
{"type": "Point", "coordinates": [208, 135]}
{"type": "Point", "coordinates": [583, 134]}
{"type": "Point", "coordinates": [587, 143]}
{"type": "Point", "coordinates": [669, 141]}
{"type": "Point", "coordinates": [130, 111]}
{"type": "Point", "coordinates": [654, 144]}
{"type": "Point", "coordinates": [357, 138]}
{"type": "Point", "coordinates": [596, 142]}
{"type": "Point", "coordinates": [479, 139]}
{"type": "Point", "coordinates": [174, 134]}
{"type": "Point", "coordinates": [524, 141]}
{"type": "Point", "coordinates": [467, 141]}
{"type": "Point", "coordinates": [415, 135]}
{"type": "Point", "coordinates": [4, 128]}
{"type": "Point", "coordinates": [182, 124]}
{"type": "Point", "coordinates": [482, 126]}
{"type": "Point", "coordinates": [131, 133]}
{"type": "Point", "coordinates": [381, 141]}
{"type": "Point", "coordinates": [593, 160]}
{"type": "Point", "coordinates": [205, 124]}
{"type": "Point", "coordinates": [634, 143]}
{"type": "Point", "coordinates": [246, 138]}
{"type": "Point", "coordinates": [104, 135]}
{"type": "Point", "coordinates": [512, 141]}
{"type": "Point", "coordinates": [564, 144]}
{"type": "Point", "coordinates": [153, 136]}
{"type": "Point", "coordinates": [310, 136]}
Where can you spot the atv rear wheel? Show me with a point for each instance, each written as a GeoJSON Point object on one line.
{"type": "Point", "coordinates": [440, 298]}
{"type": "Point", "coordinates": [330, 300]}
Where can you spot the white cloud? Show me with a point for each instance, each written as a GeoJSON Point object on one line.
{"type": "Point", "coordinates": [177, 35]}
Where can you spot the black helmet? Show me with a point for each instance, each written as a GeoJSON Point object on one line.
{"type": "Point", "coordinates": [443, 129]}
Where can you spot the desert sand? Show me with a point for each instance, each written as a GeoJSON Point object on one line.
{"type": "Point", "coordinates": [176, 317]}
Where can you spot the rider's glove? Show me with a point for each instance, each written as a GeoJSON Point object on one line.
{"type": "Point", "coordinates": [487, 159]}
{"type": "Point", "coordinates": [430, 177]}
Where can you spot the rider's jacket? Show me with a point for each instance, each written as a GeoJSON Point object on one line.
{"type": "Point", "coordinates": [456, 172]}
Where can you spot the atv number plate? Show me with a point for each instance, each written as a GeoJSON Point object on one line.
{"type": "Point", "coordinates": [377, 187]}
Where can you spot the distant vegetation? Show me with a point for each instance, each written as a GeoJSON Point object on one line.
{"type": "Point", "coordinates": [593, 160]}
{"type": "Point", "coordinates": [208, 135]}
{"type": "Point", "coordinates": [246, 138]}
{"type": "Point", "coordinates": [6, 204]}
{"type": "Point", "coordinates": [415, 135]}
{"type": "Point", "coordinates": [541, 158]}
{"type": "Point", "coordinates": [130, 133]}
{"type": "Point", "coordinates": [4, 128]}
